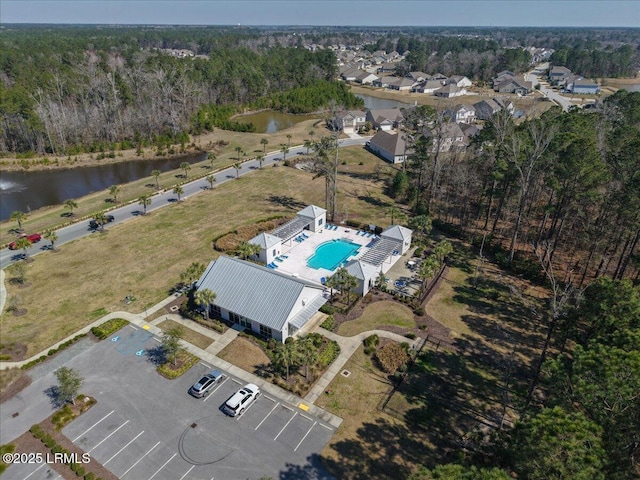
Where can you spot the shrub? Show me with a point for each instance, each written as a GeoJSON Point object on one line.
{"type": "Point", "coordinates": [411, 335]}
{"type": "Point", "coordinates": [167, 370]}
{"type": "Point", "coordinates": [80, 471]}
{"type": "Point", "coordinates": [372, 341]}
{"type": "Point", "coordinates": [353, 223]}
{"type": "Point", "coordinates": [62, 417]}
{"type": "Point", "coordinates": [329, 323]}
{"type": "Point", "coordinates": [391, 356]}
{"type": "Point", "coordinates": [328, 354]}
{"type": "Point", "coordinates": [328, 309]}
{"type": "Point", "coordinates": [419, 311]}
{"type": "Point", "coordinates": [109, 327]}
{"type": "Point", "coordinates": [418, 252]}
{"type": "Point", "coordinates": [89, 476]}
{"type": "Point", "coordinates": [369, 350]}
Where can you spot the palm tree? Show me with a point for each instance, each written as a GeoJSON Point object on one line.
{"type": "Point", "coordinates": [288, 139]}
{"type": "Point", "coordinates": [308, 144]}
{"type": "Point", "coordinates": [23, 243]}
{"type": "Point", "coordinates": [381, 281]}
{"type": "Point", "coordinates": [52, 236]}
{"type": "Point", "coordinates": [284, 149]}
{"type": "Point", "coordinates": [156, 174]}
{"type": "Point", "coordinates": [19, 217]}
{"type": "Point", "coordinates": [349, 283]}
{"type": "Point", "coordinates": [192, 273]}
{"type": "Point", "coordinates": [260, 159]}
{"type": "Point", "coordinates": [441, 250]}
{"type": "Point", "coordinates": [211, 179]}
{"type": "Point", "coordinates": [311, 134]}
{"type": "Point", "coordinates": [308, 353]}
{"type": "Point", "coordinates": [264, 143]}
{"type": "Point", "coordinates": [246, 249]}
{"type": "Point", "coordinates": [100, 219]}
{"type": "Point", "coordinates": [178, 190]}
{"type": "Point", "coordinates": [186, 166]}
{"type": "Point", "coordinates": [285, 356]}
{"type": "Point", "coordinates": [237, 166]}
{"type": "Point", "coordinates": [239, 150]}
{"type": "Point", "coordinates": [427, 270]}
{"type": "Point", "coordinates": [396, 214]}
{"type": "Point", "coordinates": [114, 190]}
{"type": "Point", "coordinates": [145, 201]}
{"type": "Point", "coordinates": [204, 298]}
{"type": "Point", "coordinates": [70, 204]}
{"type": "Point", "coordinates": [212, 158]}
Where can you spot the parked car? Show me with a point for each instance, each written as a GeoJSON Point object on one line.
{"type": "Point", "coordinates": [240, 401]}
{"type": "Point", "coordinates": [108, 219]}
{"type": "Point", "coordinates": [203, 387]}
{"type": "Point", "coordinates": [33, 238]}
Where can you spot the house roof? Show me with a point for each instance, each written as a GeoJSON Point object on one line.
{"type": "Point", "coordinates": [382, 114]}
{"type": "Point", "coordinates": [402, 82]}
{"type": "Point", "coordinates": [265, 240]}
{"type": "Point", "coordinates": [389, 142]}
{"type": "Point", "coordinates": [449, 88]}
{"type": "Point", "coordinates": [256, 292]}
{"type": "Point", "coordinates": [559, 70]}
{"type": "Point", "coordinates": [312, 211]}
{"type": "Point", "coordinates": [489, 104]}
{"type": "Point", "coordinates": [361, 270]}
{"type": "Point", "coordinates": [397, 232]}
{"type": "Point", "coordinates": [585, 83]}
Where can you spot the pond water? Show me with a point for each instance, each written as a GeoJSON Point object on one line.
{"type": "Point", "coordinates": [28, 191]}
{"type": "Point", "coordinates": [271, 121]}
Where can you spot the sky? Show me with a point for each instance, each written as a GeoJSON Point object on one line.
{"type": "Point", "coordinates": [508, 13]}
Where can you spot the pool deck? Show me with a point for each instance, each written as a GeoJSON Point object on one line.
{"type": "Point", "coordinates": [299, 252]}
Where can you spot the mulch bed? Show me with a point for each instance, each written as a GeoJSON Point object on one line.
{"type": "Point", "coordinates": [16, 351]}
{"type": "Point", "coordinates": [27, 443]}
{"type": "Point", "coordinates": [15, 387]}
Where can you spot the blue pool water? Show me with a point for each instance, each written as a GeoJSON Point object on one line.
{"type": "Point", "coordinates": [330, 255]}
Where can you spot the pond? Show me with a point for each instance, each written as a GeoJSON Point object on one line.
{"type": "Point", "coordinates": [271, 121]}
{"type": "Point", "coordinates": [28, 191]}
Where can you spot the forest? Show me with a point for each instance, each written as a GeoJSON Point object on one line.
{"type": "Point", "coordinates": [556, 200]}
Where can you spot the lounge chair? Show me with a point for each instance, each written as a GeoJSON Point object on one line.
{"type": "Point", "coordinates": [323, 280]}
{"type": "Point", "coordinates": [284, 256]}
{"type": "Point", "coordinates": [305, 235]}
{"type": "Point", "coordinates": [278, 259]}
{"type": "Point", "coordinates": [358, 232]}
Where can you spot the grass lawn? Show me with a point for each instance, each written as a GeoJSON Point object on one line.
{"type": "Point", "coordinates": [189, 335]}
{"type": "Point", "coordinates": [376, 315]}
{"type": "Point", "coordinates": [369, 443]}
{"type": "Point", "coordinates": [246, 355]}
{"type": "Point", "coordinates": [145, 256]}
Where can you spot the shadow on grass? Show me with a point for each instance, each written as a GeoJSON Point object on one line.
{"type": "Point", "coordinates": [288, 202]}
{"type": "Point", "coordinates": [375, 201]}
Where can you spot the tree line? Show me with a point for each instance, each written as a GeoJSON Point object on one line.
{"type": "Point", "coordinates": [566, 185]}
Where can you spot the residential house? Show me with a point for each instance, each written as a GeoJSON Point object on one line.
{"type": "Point", "coordinates": [485, 109]}
{"type": "Point", "coordinates": [389, 146]}
{"type": "Point", "coordinates": [401, 84]}
{"type": "Point", "coordinates": [366, 78]}
{"type": "Point", "coordinates": [461, 113]}
{"type": "Point", "coordinates": [271, 304]}
{"type": "Point", "coordinates": [558, 75]}
{"type": "Point", "coordinates": [583, 86]}
{"type": "Point", "coordinates": [387, 68]}
{"type": "Point", "coordinates": [449, 91]}
{"type": "Point", "coordinates": [469, 130]}
{"type": "Point", "coordinates": [501, 77]}
{"type": "Point", "coordinates": [383, 81]}
{"type": "Point", "coordinates": [439, 77]}
{"type": "Point", "coordinates": [418, 77]}
{"type": "Point", "coordinates": [460, 81]}
{"type": "Point", "coordinates": [517, 85]}
{"type": "Point", "coordinates": [446, 137]}
{"type": "Point", "coordinates": [428, 86]}
{"type": "Point", "coordinates": [350, 74]}
{"type": "Point", "coordinates": [385, 119]}
{"type": "Point", "coordinates": [348, 121]}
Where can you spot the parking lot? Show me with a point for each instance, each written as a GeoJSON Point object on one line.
{"type": "Point", "coordinates": [147, 427]}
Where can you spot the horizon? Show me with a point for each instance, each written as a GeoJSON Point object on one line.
{"type": "Point", "coordinates": [326, 13]}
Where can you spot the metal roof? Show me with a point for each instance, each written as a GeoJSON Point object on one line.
{"type": "Point", "coordinates": [312, 211]}
{"type": "Point", "coordinates": [397, 232]}
{"type": "Point", "coordinates": [291, 228]}
{"type": "Point", "coordinates": [265, 240]}
{"type": "Point", "coordinates": [360, 269]}
{"type": "Point", "coordinates": [255, 292]}
{"type": "Point", "coordinates": [309, 311]}
{"type": "Point", "coordinates": [381, 251]}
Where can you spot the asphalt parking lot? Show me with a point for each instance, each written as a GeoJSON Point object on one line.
{"type": "Point", "coordinates": [147, 427]}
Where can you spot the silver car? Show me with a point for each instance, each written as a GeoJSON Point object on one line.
{"type": "Point", "coordinates": [203, 387]}
{"type": "Point", "coordinates": [240, 401]}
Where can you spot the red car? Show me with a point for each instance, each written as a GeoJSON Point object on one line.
{"type": "Point", "coordinates": [33, 238]}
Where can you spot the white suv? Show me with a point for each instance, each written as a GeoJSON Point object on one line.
{"type": "Point", "coordinates": [240, 400]}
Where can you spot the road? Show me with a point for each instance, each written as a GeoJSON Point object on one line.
{"type": "Point", "coordinates": [532, 77]}
{"type": "Point", "coordinates": [158, 200]}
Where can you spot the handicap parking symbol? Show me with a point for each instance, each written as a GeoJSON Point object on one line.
{"type": "Point", "coordinates": [139, 353]}
{"type": "Point", "coordinates": [115, 339]}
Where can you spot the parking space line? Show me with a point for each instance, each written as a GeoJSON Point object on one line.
{"type": "Point", "coordinates": [139, 460]}
{"type": "Point", "coordinates": [288, 408]}
{"type": "Point", "coordinates": [246, 410]}
{"type": "Point", "coordinates": [236, 381]}
{"type": "Point", "coordinates": [263, 420]}
{"type": "Point", "coordinates": [269, 398]}
{"type": "Point", "coordinates": [308, 418]}
{"type": "Point", "coordinates": [135, 328]}
{"type": "Point", "coordinates": [107, 437]}
{"type": "Point", "coordinates": [118, 452]}
{"type": "Point", "coordinates": [286, 425]}
{"type": "Point", "coordinates": [25, 478]}
{"type": "Point", "coordinates": [157, 340]}
{"type": "Point", "coordinates": [305, 436]}
{"type": "Point", "coordinates": [88, 429]}
{"type": "Point", "coordinates": [187, 472]}
{"type": "Point", "coordinates": [204, 364]}
{"type": "Point", "coordinates": [215, 389]}
{"type": "Point", "coordinates": [163, 465]}
{"type": "Point", "coordinates": [328, 428]}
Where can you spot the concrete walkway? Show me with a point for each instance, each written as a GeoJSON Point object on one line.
{"type": "Point", "coordinates": [348, 345]}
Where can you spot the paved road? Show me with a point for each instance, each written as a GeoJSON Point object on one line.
{"type": "Point", "coordinates": [159, 200]}
{"type": "Point", "coordinates": [533, 76]}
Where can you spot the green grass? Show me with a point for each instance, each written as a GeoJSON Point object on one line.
{"type": "Point", "coordinates": [137, 258]}
{"type": "Point", "coordinates": [378, 315]}
{"type": "Point", "coordinates": [189, 335]}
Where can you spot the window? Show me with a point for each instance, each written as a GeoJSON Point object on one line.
{"type": "Point", "coordinates": [240, 320]}
{"type": "Point", "coordinates": [274, 252]}
{"type": "Point", "coordinates": [215, 311]}
{"type": "Point", "coordinates": [265, 331]}
{"type": "Point", "coordinates": [319, 221]}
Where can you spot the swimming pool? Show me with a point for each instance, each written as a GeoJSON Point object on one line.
{"type": "Point", "coordinates": [330, 255]}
